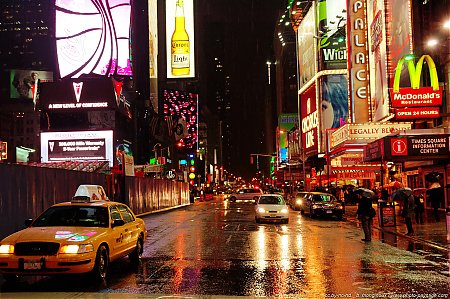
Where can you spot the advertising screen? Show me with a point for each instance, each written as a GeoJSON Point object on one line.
{"type": "Point", "coordinates": [307, 55]}
{"type": "Point", "coordinates": [153, 52]}
{"type": "Point", "coordinates": [77, 145]}
{"type": "Point", "coordinates": [332, 35]}
{"type": "Point", "coordinates": [334, 101]}
{"type": "Point", "coordinates": [286, 122]}
{"type": "Point", "coordinates": [93, 37]}
{"type": "Point", "coordinates": [24, 83]}
{"type": "Point", "coordinates": [376, 17]}
{"type": "Point", "coordinates": [180, 38]}
{"type": "Point", "coordinates": [181, 115]}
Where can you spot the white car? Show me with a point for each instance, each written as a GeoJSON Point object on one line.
{"type": "Point", "coordinates": [271, 207]}
{"type": "Point", "coordinates": [246, 194]}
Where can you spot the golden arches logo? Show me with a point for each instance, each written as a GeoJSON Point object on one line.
{"type": "Point", "coordinates": [415, 71]}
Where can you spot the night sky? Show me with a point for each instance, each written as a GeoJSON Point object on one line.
{"type": "Point", "coordinates": [249, 31]}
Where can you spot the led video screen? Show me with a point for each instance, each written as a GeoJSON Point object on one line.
{"type": "Point", "coordinates": [181, 115]}
{"type": "Point", "coordinates": [93, 37]}
{"type": "Point", "coordinates": [77, 145]}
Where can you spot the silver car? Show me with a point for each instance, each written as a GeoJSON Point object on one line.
{"type": "Point", "coordinates": [271, 207]}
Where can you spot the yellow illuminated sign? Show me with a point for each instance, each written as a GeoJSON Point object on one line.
{"type": "Point", "coordinates": [415, 72]}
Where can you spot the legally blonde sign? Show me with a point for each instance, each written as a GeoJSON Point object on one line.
{"type": "Point", "coordinates": [366, 131]}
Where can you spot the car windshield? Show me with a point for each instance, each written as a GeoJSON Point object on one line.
{"type": "Point", "coordinates": [300, 195]}
{"type": "Point", "coordinates": [271, 200]}
{"type": "Point", "coordinates": [322, 198]}
{"type": "Point", "coordinates": [74, 216]}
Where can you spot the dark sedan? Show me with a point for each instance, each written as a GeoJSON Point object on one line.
{"type": "Point", "coordinates": [319, 204]}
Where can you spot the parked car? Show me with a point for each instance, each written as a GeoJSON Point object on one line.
{"type": "Point", "coordinates": [296, 201]}
{"type": "Point", "coordinates": [246, 194]}
{"type": "Point", "coordinates": [271, 207]}
{"type": "Point", "coordinates": [80, 236]}
{"type": "Point", "coordinates": [322, 204]}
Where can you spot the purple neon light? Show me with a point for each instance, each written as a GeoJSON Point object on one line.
{"type": "Point", "coordinates": [92, 37]}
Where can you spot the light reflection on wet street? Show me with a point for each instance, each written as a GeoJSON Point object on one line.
{"type": "Point", "coordinates": [216, 248]}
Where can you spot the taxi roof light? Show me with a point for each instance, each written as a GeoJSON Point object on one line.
{"type": "Point", "coordinates": [87, 193]}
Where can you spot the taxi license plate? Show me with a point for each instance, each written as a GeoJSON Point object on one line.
{"type": "Point", "coordinates": [329, 212]}
{"type": "Point", "coordinates": [32, 265]}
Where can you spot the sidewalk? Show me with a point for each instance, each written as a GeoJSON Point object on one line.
{"type": "Point", "coordinates": [431, 232]}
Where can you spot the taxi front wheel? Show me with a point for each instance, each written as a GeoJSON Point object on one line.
{"type": "Point", "coordinates": [101, 264]}
{"type": "Point", "coordinates": [136, 255]}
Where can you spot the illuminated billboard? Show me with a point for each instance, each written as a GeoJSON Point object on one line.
{"type": "Point", "coordinates": [306, 48]}
{"type": "Point", "coordinates": [309, 115]}
{"type": "Point", "coordinates": [180, 39]}
{"type": "Point", "coordinates": [93, 37]}
{"type": "Point", "coordinates": [181, 115]}
{"type": "Point", "coordinates": [24, 83]}
{"type": "Point", "coordinates": [286, 122]}
{"type": "Point", "coordinates": [334, 98]}
{"type": "Point", "coordinates": [376, 18]}
{"type": "Point", "coordinates": [153, 52]}
{"type": "Point", "coordinates": [332, 19]}
{"type": "Point", "coordinates": [77, 145]}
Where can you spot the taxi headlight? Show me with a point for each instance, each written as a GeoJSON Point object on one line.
{"type": "Point", "coordinates": [284, 211]}
{"type": "Point", "coordinates": [84, 248]}
{"type": "Point", "coordinates": [261, 210]}
{"type": "Point", "coordinates": [6, 249]}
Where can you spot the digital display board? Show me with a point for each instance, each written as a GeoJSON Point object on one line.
{"type": "Point", "coordinates": [306, 48]}
{"type": "Point", "coordinates": [181, 115]}
{"type": "Point", "coordinates": [93, 37]}
{"type": "Point", "coordinates": [180, 39]}
{"type": "Point", "coordinates": [77, 145]}
{"type": "Point", "coordinates": [24, 83]}
{"type": "Point", "coordinates": [153, 52]}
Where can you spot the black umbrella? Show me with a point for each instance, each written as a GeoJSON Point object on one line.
{"type": "Point", "coordinates": [401, 193]}
{"type": "Point", "coordinates": [365, 192]}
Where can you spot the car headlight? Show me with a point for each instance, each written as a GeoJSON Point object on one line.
{"type": "Point", "coordinates": [261, 210]}
{"type": "Point", "coordinates": [84, 248]}
{"type": "Point", "coordinates": [284, 211]}
{"type": "Point", "coordinates": [315, 206]}
{"type": "Point", "coordinates": [299, 201]}
{"type": "Point", "coordinates": [339, 207]}
{"type": "Point", "coordinates": [6, 249]}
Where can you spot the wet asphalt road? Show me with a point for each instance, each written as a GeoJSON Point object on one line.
{"type": "Point", "coordinates": [216, 249]}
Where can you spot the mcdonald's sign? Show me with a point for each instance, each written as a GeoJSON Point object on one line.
{"type": "Point", "coordinates": [416, 96]}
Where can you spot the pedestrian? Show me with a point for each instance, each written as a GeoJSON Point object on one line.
{"type": "Point", "coordinates": [435, 194]}
{"type": "Point", "coordinates": [420, 207]}
{"type": "Point", "coordinates": [408, 213]}
{"type": "Point", "coordinates": [365, 214]}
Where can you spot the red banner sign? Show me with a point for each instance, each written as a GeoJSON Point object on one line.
{"type": "Point", "coordinates": [417, 113]}
{"type": "Point", "coordinates": [422, 97]}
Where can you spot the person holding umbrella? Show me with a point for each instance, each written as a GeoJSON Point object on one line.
{"type": "Point", "coordinates": [365, 211]}
{"type": "Point", "coordinates": [405, 195]}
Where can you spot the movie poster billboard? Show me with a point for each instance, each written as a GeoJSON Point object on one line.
{"type": "Point", "coordinates": [77, 146]}
{"type": "Point", "coordinates": [309, 121]}
{"type": "Point", "coordinates": [181, 115]}
{"type": "Point", "coordinates": [376, 17]}
{"type": "Point", "coordinates": [399, 37]}
{"type": "Point", "coordinates": [180, 39]}
{"type": "Point", "coordinates": [332, 46]}
{"type": "Point", "coordinates": [153, 52]}
{"type": "Point", "coordinates": [334, 105]}
{"type": "Point", "coordinates": [24, 83]}
{"type": "Point", "coordinates": [306, 48]}
{"type": "Point", "coordinates": [93, 37]}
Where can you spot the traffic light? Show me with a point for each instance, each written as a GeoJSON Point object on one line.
{"type": "Point", "coordinates": [192, 174]}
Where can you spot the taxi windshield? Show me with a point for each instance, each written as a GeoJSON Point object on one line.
{"type": "Point", "coordinates": [74, 216]}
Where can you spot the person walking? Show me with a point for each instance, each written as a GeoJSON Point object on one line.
{"type": "Point", "coordinates": [408, 213]}
{"type": "Point", "coordinates": [365, 213]}
{"type": "Point", "coordinates": [435, 194]}
{"type": "Point", "coordinates": [419, 207]}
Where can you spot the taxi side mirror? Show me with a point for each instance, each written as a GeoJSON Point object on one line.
{"type": "Point", "coordinates": [118, 222]}
{"type": "Point", "coordinates": [28, 222]}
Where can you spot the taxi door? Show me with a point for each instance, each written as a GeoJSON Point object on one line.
{"type": "Point", "coordinates": [119, 234]}
{"type": "Point", "coordinates": [132, 227]}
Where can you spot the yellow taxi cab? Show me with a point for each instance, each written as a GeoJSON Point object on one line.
{"type": "Point", "coordinates": [80, 236]}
